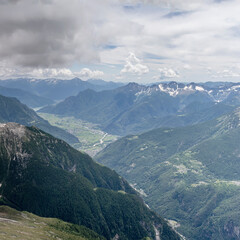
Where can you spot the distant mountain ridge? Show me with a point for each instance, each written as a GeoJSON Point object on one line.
{"type": "Point", "coordinates": [136, 108]}
{"type": "Point", "coordinates": [30, 99]}
{"type": "Point", "coordinates": [194, 170]}
{"type": "Point", "coordinates": [106, 84]}
{"type": "Point", "coordinates": [57, 89]}
{"type": "Point", "coordinates": [44, 175]}
{"type": "Point", "coordinates": [12, 110]}
{"type": "Point", "coordinates": [218, 93]}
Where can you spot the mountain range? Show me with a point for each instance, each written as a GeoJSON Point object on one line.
{"type": "Point", "coordinates": [30, 99]}
{"type": "Point", "coordinates": [190, 175]}
{"type": "Point", "coordinates": [57, 89]}
{"type": "Point", "coordinates": [185, 165]}
{"type": "Point", "coordinates": [136, 108]}
{"type": "Point", "coordinates": [12, 110]}
{"type": "Point", "coordinates": [44, 175]}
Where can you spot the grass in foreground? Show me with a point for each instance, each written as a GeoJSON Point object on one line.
{"type": "Point", "coordinates": [27, 226]}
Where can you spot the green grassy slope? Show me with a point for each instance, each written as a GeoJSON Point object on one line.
{"type": "Point", "coordinates": [190, 175]}
{"type": "Point", "coordinates": [27, 226]}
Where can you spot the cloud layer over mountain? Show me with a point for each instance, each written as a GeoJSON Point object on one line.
{"type": "Point", "coordinates": [58, 34]}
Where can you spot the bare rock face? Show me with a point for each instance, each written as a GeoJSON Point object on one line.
{"type": "Point", "coordinates": [13, 128]}
{"type": "Point", "coordinates": [12, 137]}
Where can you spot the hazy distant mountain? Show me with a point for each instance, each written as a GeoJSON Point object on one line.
{"type": "Point", "coordinates": [217, 84]}
{"type": "Point", "coordinates": [134, 108]}
{"type": "Point", "coordinates": [44, 175]}
{"type": "Point", "coordinates": [30, 99]}
{"type": "Point", "coordinates": [107, 85]}
{"type": "Point", "coordinates": [189, 174]}
{"type": "Point", "coordinates": [56, 89]}
{"type": "Point", "coordinates": [11, 110]}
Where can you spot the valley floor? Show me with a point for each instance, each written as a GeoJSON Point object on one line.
{"type": "Point", "coordinates": [91, 138]}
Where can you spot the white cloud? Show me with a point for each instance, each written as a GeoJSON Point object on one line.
{"type": "Point", "coordinates": [166, 73]}
{"type": "Point", "coordinates": [52, 73]}
{"type": "Point", "coordinates": [61, 73]}
{"type": "Point", "coordinates": [187, 67]}
{"type": "Point", "coordinates": [134, 65]}
{"type": "Point", "coordinates": [226, 73]}
{"type": "Point", "coordinates": [174, 4]}
{"type": "Point", "coordinates": [56, 34]}
{"type": "Point", "coordinates": [86, 73]}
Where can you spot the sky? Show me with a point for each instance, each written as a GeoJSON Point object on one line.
{"type": "Point", "coordinates": [143, 41]}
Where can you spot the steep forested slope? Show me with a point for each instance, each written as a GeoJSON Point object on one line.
{"type": "Point", "coordinates": [190, 175]}
{"type": "Point", "coordinates": [44, 175]}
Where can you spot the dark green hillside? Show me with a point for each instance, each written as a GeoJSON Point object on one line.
{"type": "Point", "coordinates": [27, 226]}
{"type": "Point", "coordinates": [143, 113]}
{"type": "Point", "coordinates": [88, 104]}
{"type": "Point", "coordinates": [190, 175]}
{"type": "Point", "coordinates": [46, 176]}
{"type": "Point", "coordinates": [11, 110]}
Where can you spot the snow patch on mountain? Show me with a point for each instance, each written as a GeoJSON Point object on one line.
{"type": "Point", "coordinates": [200, 88]}
{"type": "Point", "coordinates": [235, 88]}
{"type": "Point", "coordinates": [217, 94]}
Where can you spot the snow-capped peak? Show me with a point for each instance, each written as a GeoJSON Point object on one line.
{"type": "Point", "coordinates": [174, 89]}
